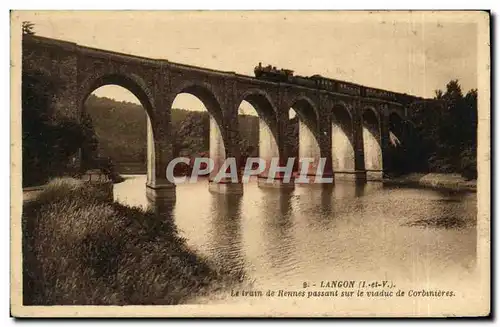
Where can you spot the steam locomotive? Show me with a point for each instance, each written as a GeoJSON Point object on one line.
{"type": "Point", "coordinates": [271, 73]}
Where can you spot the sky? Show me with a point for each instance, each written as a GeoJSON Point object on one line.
{"type": "Point", "coordinates": [412, 53]}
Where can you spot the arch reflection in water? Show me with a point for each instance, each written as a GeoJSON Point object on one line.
{"type": "Point", "coordinates": [316, 200]}
{"type": "Point", "coordinates": [163, 207]}
{"type": "Point", "coordinates": [327, 202]}
{"type": "Point", "coordinates": [278, 242]}
{"type": "Point", "coordinates": [225, 239]}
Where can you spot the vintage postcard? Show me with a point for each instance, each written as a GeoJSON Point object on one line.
{"type": "Point", "coordinates": [250, 163]}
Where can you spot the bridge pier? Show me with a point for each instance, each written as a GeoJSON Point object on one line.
{"type": "Point", "coordinates": [269, 150]}
{"type": "Point", "coordinates": [310, 167]}
{"type": "Point", "coordinates": [375, 175]}
{"type": "Point", "coordinates": [217, 151]}
{"type": "Point", "coordinates": [343, 147]}
{"type": "Point", "coordinates": [358, 176]}
{"type": "Point", "coordinates": [226, 185]}
{"type": "Point", "coordinates": [371, 130]}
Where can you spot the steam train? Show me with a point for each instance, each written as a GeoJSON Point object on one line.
{"type": "Point", "coordinates": [271, 73]}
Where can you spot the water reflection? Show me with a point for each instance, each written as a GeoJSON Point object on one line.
{"type": "Point", "coordinates": [162, 207]}
{"type": "Point", "coordinates": [225, 239]}
{"type": "Point", "coordinates": [282, 237]}
{"type": "Point", "coordinates": [316, 202]}
{"type": "Point", "coordinates": [277, 240]}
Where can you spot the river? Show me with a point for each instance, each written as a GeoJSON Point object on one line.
{"type": "Point", "coordinates": [311, 234]}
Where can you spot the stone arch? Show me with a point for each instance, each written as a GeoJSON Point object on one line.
{"type": "Point", "coordinates": [343, 154]}
{"type": "Point", "coordinates": [308, 115]}
{"type": "Point", "coordinates": [371, 119]}
{"type": "Point", "coordinates": [265, 108]}
{"type": "Point", "coordinates": [131, 82]}
{"type": "Point", "coordinates": [262, 99]}
{"type": "Point", "coordinates": [307, 112]}
{"type": "Point", "coordinates": [372, 143]}
{"type": "Point", "coordinates": [370, 110]}
{"type": "Point", "coordinates": [204, 93]}
{"type": "Point", "coordinates": [309, 134]}
{"type": "Point", "coordinates": [342, 111]}
{"type": "Point", "coordinates": [138, 88]}
{"type": "Point", "coordinates": [220, 146]}
{"type": "Point", "coordinates": [396, 112]}
{"type": "Point", "coordinates": [269, 147]}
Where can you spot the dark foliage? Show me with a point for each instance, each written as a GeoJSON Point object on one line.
{"type": "Point", "coordinates": [448, 222]}
{"type": "Point", "coordinates": [447, 132]}
{"type": "Point", "coordinates": [50, 142]}
{"type": "Point", "coordinates": [79, 249]}
{"type": "Point", "coordinates": [28, 28]}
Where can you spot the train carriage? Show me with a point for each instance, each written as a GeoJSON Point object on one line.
{"type": "Point", "coordinates": [271, 73]}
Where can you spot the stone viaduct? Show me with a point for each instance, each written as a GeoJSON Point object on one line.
{"type": "Point", "coordinates": [353, 132]}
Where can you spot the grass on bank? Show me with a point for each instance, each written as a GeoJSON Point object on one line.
{"type": "Point", "coordinates": [79, 249]}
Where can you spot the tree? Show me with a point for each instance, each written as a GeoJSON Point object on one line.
{"type": "Point", "coordinates": [28, 28]}
{"type": "Point", "coordinates": [468, 156]}
{"type": "Point", "coordinates": [438, 94]}
{"type": "Point", "coordinates": [48, 142]}
{"type": "Point", "coordinates": [447, 129]}
{"type": "Point", "coordinates": [192, 134]}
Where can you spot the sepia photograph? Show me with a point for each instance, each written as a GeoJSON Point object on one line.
{"type": "Point", "coordinates": [250, 163]}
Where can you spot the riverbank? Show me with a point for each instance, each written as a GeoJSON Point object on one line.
{"type": "Point", "coordinates": [451, 182]}
{"type": "Point", "coordinates": [81, 249]}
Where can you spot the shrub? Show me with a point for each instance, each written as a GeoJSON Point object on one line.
{"type": "Point", "coordinates": [468, 164]}
{"type": "Point", "coordinates": [79, 249]}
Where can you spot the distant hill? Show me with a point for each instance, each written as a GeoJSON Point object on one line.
{"type": "Point", "coordinates": [120, 128]}
{"type": "Point", "coordinates": [121, 131]}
